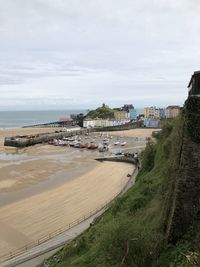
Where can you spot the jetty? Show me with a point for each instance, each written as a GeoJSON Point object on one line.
{"type": "Point", "coordinates": [29, 140]}
{"type": "Point", "coordinates": [127, 157]}
{"type": "Point", "coordinates": [53, 124]}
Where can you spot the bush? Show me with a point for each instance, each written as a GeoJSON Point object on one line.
{"type": "Point", "coordinates": [148, 157]}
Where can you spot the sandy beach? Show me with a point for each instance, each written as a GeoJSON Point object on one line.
{"type": "Point", "coordinates": [142, 132]}
{"type": "Point", "coordinates": [29, 219]}
{"type": "Point", "coordinates": [43, 188]}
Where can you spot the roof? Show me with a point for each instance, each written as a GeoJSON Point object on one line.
{"type": "Point", "coordinates": [195, 73]}
{"type": "Point", "coordinates": [171, 107]}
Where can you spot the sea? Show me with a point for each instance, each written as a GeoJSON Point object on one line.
{"type": "Point", "coordinates": [14, 119]}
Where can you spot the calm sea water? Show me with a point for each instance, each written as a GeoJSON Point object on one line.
{"type": "Point", "coordinates": [11, 119]}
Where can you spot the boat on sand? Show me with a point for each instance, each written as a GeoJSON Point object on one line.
{"type": "Point", "coordinates": [92, 146]}
{"type": "Point", "coordinates": [123, 143]}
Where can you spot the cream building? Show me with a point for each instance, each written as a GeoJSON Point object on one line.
{"type": "Point", "coordinates": [89, 123]}
{"type": "Point", "coordinates": [152, 112]}
{"type": "Point", "coordinates": [97, 123]}
{"type": "Point", "coordinates": [120, 115]}
{"type": "Point", "coordinates": [172, 112]}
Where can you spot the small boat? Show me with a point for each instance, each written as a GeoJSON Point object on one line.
{"type": "Point", "coordinates": [83, 146]}
{"type": "Point", "coordinates": [77, 145]}
{"type": "Point", "coordinates": [55, 142]}
{"type": "Point", "coordinates": [119, 153]}
{"type": "Point", "coordinates": [92, 146]}
{"type": "Point", "coordinates": [66, 138]}
{"type": "Point", "coordinates": [103, 148]}
{"type": "Point", "coordinates": [123, 143]}
{"type": "Point", "coordinates": [71, 144]}
{"type": "Point", "coordinates": [62, 143]}
{"type": "Point", "coordinates": [116, 143]}
{"type": "Point", "coordinates": [106, 141]}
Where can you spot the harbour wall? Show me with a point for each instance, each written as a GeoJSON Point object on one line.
{"type": "Point", "coordinates": [55, 124]}
{"type": "Point", "coordinates": [19, 141]}
{"type": "Point", "coordinates": [125, 158]}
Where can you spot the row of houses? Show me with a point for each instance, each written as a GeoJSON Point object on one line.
{"type": "Point", "coordinates": [152, 115]}
{"type": "Point", "coordinates": [169, 112]}
{"type": "Point", "coordinates": [121, 116]}
{"type": "Point", "coordinates": [89, 123]}
{"type": "Point", "coordinates": [131, 114]}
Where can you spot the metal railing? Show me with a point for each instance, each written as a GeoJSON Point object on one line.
{"type": "Point", "coordinates": [45, 238]}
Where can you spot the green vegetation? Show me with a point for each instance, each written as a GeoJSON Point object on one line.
{"type": "Point", "coordinates": [141, 229]}
{"type": "Point", "coordinates": [192, 117]}
{"type": "Point", "coordinates": [103, 112]}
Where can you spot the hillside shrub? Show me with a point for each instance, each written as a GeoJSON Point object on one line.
{"type": "Point", "coordinates": [192, 118]}
{"type": "Point", "coordinates": [148, 157]}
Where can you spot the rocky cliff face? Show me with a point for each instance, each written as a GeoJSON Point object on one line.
{"type": "Point", "coordinates": [183, 199]}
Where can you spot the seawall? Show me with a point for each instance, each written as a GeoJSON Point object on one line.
{"type": "Point", "coordinates": [24, 141]}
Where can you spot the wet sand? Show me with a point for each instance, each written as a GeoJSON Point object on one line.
{"type": "Point", "coordinates": [43, 187]}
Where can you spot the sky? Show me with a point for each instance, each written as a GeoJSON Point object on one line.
{"type": "Point", "coordinates": [68, 54]}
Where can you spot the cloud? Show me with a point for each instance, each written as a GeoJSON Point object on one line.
{"type": "Point", "coordinates": [97, 50]}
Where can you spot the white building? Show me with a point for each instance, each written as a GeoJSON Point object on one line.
{"type": "Point", "coordinates": [89, 123]}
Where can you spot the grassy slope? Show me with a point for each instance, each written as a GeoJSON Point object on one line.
{"type": "Point", "coordinates": [131, 232]}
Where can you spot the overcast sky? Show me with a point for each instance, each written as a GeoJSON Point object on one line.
{"type": "Point", "coordinates": [63, 54]}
